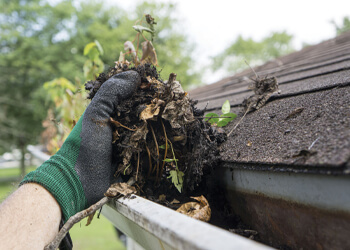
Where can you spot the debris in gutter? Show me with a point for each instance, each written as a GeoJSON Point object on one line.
{"type": "Point", "coordinates": [198, 209]}
{"type": "Point", "coordinates": [121, 188]}
{"type": "Point", "coordinates": [263, 90]}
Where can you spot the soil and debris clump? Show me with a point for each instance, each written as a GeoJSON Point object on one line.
{"type": "Point", "coordinates": [161, 142]}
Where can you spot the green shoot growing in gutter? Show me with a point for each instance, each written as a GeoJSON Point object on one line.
{"type": "Point", "coordinates": [222, 120]}
{"type": "Point", "coordinates": [175, 175]}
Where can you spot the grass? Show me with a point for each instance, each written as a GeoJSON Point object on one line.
{"type": "Point", "coordinates": [100, 234]}
{"type": "Point", "coordinates": [12, 172]}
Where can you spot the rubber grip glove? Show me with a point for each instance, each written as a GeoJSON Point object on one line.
{"type": "Point", "coordinates": [80, 172]}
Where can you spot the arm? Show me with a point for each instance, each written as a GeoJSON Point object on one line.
{"type": "Point", "coordinates": [71, 180]}
{"type": "Point", "coordinates": [30, 218]}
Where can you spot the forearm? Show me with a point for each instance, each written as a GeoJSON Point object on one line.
{"type": "Point", "coordinates": [29, 218]}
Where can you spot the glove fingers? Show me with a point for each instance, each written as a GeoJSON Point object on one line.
{"type": "Point", "coordinates": [95, 157]}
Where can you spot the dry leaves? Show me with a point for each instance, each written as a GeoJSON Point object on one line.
{"type": "Point", "coordinates": [89, 219]}
{"type": "Point", "coordinates": [149, 53]}
{"type": "Point", "coordinates": [178, 111]}
{"type": "Point", "coordinates": [150, 112]}
{"type": "Point", "coordinates": [263, 90]}
{"type": "Point", "coordinates": [199, 209]}
{"type": "Point", "coordinates": [138, 137]}
{"type": "Point", "coordinates": [121, 188]}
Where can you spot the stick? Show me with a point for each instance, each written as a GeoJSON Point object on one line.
{"type": "Point", "coordinates": [72, 220]}
{"type": "Point", "coordinates": [118, 124]}
{"type": "Point", "coordinates": [138, 164]}
{"type": "Point", "coordinates": [166, 148]}
{"type": "Point", "coordinates": [155, 141]}
{"type": "Point", "coordinates": [149, 161]}
{"type": "Point", "coordinates": [237, 123]}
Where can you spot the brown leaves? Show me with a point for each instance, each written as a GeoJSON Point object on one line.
{"type": "Point", "coordinates": [149, 53]}
{"type": "Point", "coordinates": [121, 188]}
{"type": "Point", "coordinates": [178, 111]}
{"type": "Point", "coordinates": [199, 209]}
{"type": "Point", "coordinates": [150, 112]}
{"type": "Point", "coordinates": [263, 90]}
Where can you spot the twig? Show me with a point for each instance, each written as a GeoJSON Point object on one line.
{"type": "Point", "coordinates": [201, 117]}
{"type": "Point", "coordinates": [155, 141]}
{"type": "Point", "coordinates": [166, 146]}
{"type": "Point", "coordinates": [137, 49]}
{"type": "Point", "coordinates": [118, 124]}
{"type": "Point", "coordinates": [138, 165]}
{"type": "Point", "coordinates": [313, 143]}
{"type": "Point", "coordinates": [256, 75]}
{"type": "Point", "coordinates": [72, 220]}
{"type": "Point", "coordinates": [149, 161]}
{"type": "Point", "coordinates": [238, 123]}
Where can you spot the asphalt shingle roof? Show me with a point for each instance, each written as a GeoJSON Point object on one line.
{"type": "Point", "coordinates": [315, 85]}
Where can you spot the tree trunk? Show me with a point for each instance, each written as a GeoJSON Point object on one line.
{"type": "Point", "coordinates": [23, 166]}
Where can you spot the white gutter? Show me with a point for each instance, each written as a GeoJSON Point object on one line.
{"type": "Point", "coordinates": [157, 227]}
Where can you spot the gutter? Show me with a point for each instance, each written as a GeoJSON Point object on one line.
{"type": "Point", "coordinates": [293, 210]}
{"type": "Point", "coordinates": [153, 226]}
{"type": "Point", "coordinates": [157, 227]}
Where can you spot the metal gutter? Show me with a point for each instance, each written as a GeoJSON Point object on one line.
{"type": "Point", "coordinates": [154, 227]}
{"type": "Point", "coordinates": [157, 227]}
{"type": "Point", "coordinates": [295, 210]}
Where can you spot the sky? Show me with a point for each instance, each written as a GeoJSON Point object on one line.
{"type": "Point", "coordinates": [213, 25]}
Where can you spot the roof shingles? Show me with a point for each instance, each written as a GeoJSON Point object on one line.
{"type": "Point", "coordinates": [315, 84]}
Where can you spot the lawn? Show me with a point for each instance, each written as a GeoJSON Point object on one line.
{"type": "Point", "coordinates": [99, 235]}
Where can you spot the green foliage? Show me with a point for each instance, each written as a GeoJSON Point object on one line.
{"type": "Point", "coordinates": [222, 120]}
{"type": "Point", "coordinates": [255, 52]}
{"type": "Point", "coordinates": [345, 26]}
{"type": "Point", "coordinates": [175, 175]}
{"type": "Point", "coordinates": [41, 41]}
{"type": "Point", "coordinates": [94, 65]}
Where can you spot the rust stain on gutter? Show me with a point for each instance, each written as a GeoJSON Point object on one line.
{"type": "Point", "coordinates": [291, 225]}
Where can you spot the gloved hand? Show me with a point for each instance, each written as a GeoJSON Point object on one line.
{"type": "Point", "coordinates": [80, 172]}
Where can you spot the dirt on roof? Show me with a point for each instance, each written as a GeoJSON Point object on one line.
{"type": "Point", "coordinates": [307, 125]}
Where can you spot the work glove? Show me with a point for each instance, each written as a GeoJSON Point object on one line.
{"type": "Point", "coordinates": [80, 172]}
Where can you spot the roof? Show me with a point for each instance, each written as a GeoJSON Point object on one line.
{"type": "Point", "coordinates": [306, 126]}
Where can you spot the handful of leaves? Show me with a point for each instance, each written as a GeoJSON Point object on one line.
{"type": "Point", "coordinates": [158, 139]}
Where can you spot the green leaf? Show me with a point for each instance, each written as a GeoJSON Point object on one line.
{"type": "Point", "coordinates": [226, 107]}
{"type": "Point", "coordinates": [211, 120]}
{"type": "Point", "coordinates": [162, 146]}
{"type": "Point", "coordinates": [177, 178]}
{"type": "Point", "coordinates": [140, 28]}
{"type": "Point", "coordinates": [169, 160]}
{"type": "Point", "coordinates": [88, 48]}
{"type": "Point", "coordinates": [224, 121]}
{"type": "Point", "coordinates": [221, 123]}
{"type": "Point", "coordinates": [230, 115]}
{"type": "Point", "coordinates": [93, 54]}
{"type": "Point", "coordinates": [99, 47]}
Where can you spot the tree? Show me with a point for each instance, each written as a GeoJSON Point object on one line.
{"type": "Point", "coordinates": [42, 41]}
{"type": "Point", "coordinates": [345, 26]}
{"type": "Point", "coordinates": [254, 52]}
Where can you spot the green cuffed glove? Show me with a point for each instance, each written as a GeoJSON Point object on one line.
{"type": "Point", "coordinates": [80, 172]}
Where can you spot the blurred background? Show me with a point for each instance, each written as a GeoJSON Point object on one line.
{"type": "Point", "coordinates": [49, 49]}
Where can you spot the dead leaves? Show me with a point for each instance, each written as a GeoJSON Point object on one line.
{"type": "Point", "coordinates": [263, 90]}
{"type": "Point", "coordinates": [199, 209]}
{"type": "Point", "coordinates": [178, 111]}
{"type": "Point", "coordinates": [121, 188]}
{"type": "Point", "coordinates": [150, 112]}
{"type": "Point", "coordinates": [149, 53]}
